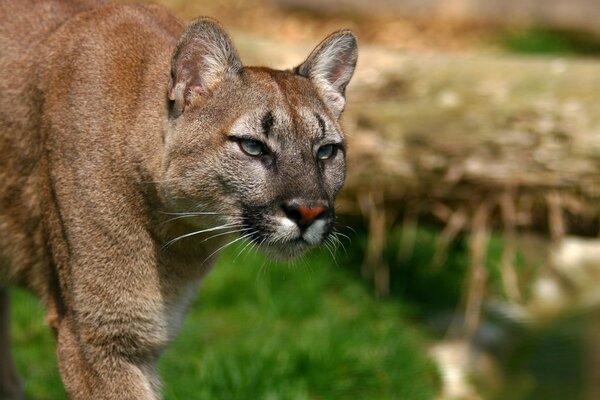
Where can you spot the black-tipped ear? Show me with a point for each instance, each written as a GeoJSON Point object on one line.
{"type": "Point", "coordinates": [330, 66]}
{"type": "Point", "coordinates": [203, 57]}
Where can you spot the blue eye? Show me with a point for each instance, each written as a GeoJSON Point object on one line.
{"type": "Point", "coordinates": [326, 152]}
{"type": "Point", "coordinates": [252, 147]}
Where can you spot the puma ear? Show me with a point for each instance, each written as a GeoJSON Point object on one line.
{"type": "Point", "coordinates": [204, 56]}
{"type": "Point", "coordinates": [330, 67]}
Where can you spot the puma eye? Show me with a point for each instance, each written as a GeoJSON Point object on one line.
{"type": "Point", "coordinates": [252, 147]}
{"type": "Point", "coordinates": [326, 152]}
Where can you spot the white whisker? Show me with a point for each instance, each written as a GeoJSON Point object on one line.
{"type": "Point", "coordinates": [227, 245]}
{"type": "Point", "coordinates": [335, 238]}
{"type": "Point", "coordinates": [225, 233]}
{"type": "Point", "coordinates": [224, 226]}
{"type": "Point", "coordinates": [252, 247]}
{"type": "Point", "coordinates": [184, 216]}
{"type": "Point", "coordinates": [328, 247]}
{"type": "Point", "coordinates": [242, 250]}
{"type": "Point", "coordinates": [190, 213]}
{"type": "Point", "coordinates": [345, 236]}
{"type": "Point", "coordinates": [262, 268]}
{"type": "Point", "coordinates": [333, 242]}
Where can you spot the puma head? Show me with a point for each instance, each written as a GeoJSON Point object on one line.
{"type": "Point", "coordinates": [261, 147]}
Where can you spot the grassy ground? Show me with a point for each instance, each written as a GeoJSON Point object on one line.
{"type": "Point", "coordinates": [263, 331]}
{"type": "Point", "coordinates": [540, 40]}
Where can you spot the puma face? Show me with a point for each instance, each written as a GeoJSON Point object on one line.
{"type": "Point", "coordinates": [261, 148]}
{"type": "Point", "coordinates": [289, 165]}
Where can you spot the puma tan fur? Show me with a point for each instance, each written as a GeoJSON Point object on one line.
{"type": "Point", "coordinates": [130, 147]}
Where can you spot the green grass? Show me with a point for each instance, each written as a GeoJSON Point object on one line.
{"type": "Point", "coordinates": [540, 40]}
{"type": "Point", "coordinates": [34, 348]}
{"type": "Point", "coordinates": [260, 330]}
{"type": "Point", "coordinates": [426, 286]}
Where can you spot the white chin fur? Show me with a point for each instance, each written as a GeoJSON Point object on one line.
{"type": "Point", "coordinates": [314, 233]}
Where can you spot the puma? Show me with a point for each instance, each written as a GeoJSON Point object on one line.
{"type": "Point", "coordinates": [130, 147]}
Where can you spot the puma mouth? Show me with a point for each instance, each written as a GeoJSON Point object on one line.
{"type": "Point", "coordinates": [286, 240]}
{"type": "Point", "coordinates": [284, 235]}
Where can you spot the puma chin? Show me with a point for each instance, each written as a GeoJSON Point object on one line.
{"type": "Point", "coordinates": [260, 148]}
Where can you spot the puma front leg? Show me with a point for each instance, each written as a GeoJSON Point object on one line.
{"type": "Point", "coordinates": [102, 368]}
{"type": "Point", "coordinates": [110, 337]}
{"type": "Point", "coordinates": [114, 322]}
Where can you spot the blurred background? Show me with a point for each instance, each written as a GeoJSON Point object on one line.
{"type": "Point", "coordinates": [467, 264]}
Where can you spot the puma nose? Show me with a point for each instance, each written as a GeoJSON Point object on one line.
{"type": "Point", "coordinates": [304, 213]}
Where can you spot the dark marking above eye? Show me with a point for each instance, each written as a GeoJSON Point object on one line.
{"type": "Point", "coordinates": [267, 123]}
{"type": "Point", "coordinates": [321, 124]}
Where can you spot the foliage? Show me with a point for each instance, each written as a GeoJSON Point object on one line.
{"type": "Point", "coordinates": [539, 40]}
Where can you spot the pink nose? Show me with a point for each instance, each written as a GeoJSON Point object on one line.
{"type": "Point", "coordinates": [304, 212]}
{"type": "Point", "coordinates": [308, 215]}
